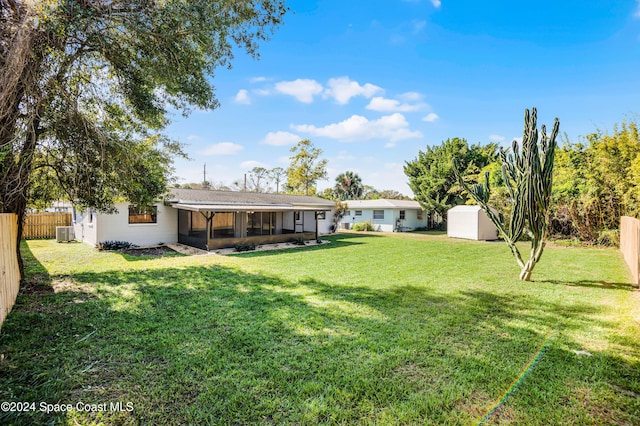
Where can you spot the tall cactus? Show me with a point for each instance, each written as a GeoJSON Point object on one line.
{"type": "Point", "coordinates": [527, 173]}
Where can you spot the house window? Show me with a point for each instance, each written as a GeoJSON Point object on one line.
{"type": "Point", "coordinates": [378, 215]}
{"type": "Point", "coordinates": [296, 215]}
{"type": "Point", "coordinates": [321, 215]}
{"type": "Point", "coordinates": [347, 212]}
{"type": "Point", "coordinates": [419, 214]}
{"type": "Point", "coordinates": [143, 215]}
{"type": "Point", "coordinates": [401, 214]}
{"type": "Point", "coordinates": [358, 212]}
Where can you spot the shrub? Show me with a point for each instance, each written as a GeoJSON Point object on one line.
{"type": "Point", "coordinates": [363, 226]}
{"type": "Point", "coordinates": [245, 247]}
{"type": "Point", "coordinates": [298, 241]}
{"type": "Point", "coordinates": [115, 245]}
{"type": "Point", "coordinates": [609, 237]}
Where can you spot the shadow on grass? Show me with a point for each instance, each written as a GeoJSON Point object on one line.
{"type": "Point", "coordinates": [213, 344]}
{"type": "Point", "coordinates": [340, 240]}
{"type": "Point", "coordinates": [594, 284]}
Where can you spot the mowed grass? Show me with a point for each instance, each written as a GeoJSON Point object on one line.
{"type": "Point", "coordinates": [368, 329]}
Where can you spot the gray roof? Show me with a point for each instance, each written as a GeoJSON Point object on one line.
{"type": "Point", "coordinates": [245, 199]}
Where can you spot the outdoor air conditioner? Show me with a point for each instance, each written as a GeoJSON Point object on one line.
{"type": "Point", "coordinates": [64, 234]}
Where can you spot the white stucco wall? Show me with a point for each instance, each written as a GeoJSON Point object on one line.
{"type": "Point", "coordinates": [84, 226]}
{"type": "Point", "coordinates": [116, 227]}
{"type": "Point", "coordinates": [324, 225]}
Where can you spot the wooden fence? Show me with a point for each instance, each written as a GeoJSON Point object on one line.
{"type": "Point", "coordinates": [630, 245]}
{"type": "Point", "coordinates": [9, 270]}
{"type": "Point", "coordinates": [43, 225]}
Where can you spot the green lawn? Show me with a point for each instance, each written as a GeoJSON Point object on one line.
{"type": "Point", "coordinates": [369, 329]}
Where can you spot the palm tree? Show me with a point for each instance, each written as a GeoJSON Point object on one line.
{"type": "Point", "coordinates": [348, 186]}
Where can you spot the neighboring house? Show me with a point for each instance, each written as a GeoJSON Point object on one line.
{"type": "Point", "coordinates": [211, 219]}
{"type": "Point", "coordinates": [60, 206]}
{"type": "Point", "coordinates": [471, 223]}
{"type": "Point", "coordinates": [385, 215]}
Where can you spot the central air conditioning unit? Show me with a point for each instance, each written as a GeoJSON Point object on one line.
{"type": "Point", "coordinates": [64, 234]}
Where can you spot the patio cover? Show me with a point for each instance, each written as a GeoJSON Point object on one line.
{"type": "Point", "coordinates": [236, 207]}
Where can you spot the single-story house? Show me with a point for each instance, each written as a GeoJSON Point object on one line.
{"type": "Point", "coordinates": [385, 215]}
{"type": "Point", "coordinates": [211, 219]}
{"type": "Point", "coordinates": [471, 223]}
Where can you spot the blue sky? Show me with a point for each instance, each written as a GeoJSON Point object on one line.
{"type": "Point", "coordinates": [373, 82]}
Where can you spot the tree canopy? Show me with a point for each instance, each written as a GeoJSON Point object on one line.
{"type": "Point", "coordinates": [306, 168]}
{"type": "Point", "coordinates": [596, 181]}
{"type": "Point", "coordinates": [85, 87]}
{"type": "Point", "coordinates": [348, 186]}
{"type": "Point", "coordinates": [432, 178]}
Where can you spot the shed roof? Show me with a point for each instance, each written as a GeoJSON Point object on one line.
{"type": "Point", "coordinates": [466, 208]}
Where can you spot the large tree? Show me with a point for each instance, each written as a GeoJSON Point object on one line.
{"type": "Point", "coordinates": [306, 168]}
{"type": "Point", "coordinates": [277, 174]}
{"type": "Point", "coordinates": [432, 178]}
{"type": "Point", "coordinates": [257, 180]}
{"type": "Point", "coordinates": [348, 186]}
{"type": "Point", "coordinates": [85, 86]}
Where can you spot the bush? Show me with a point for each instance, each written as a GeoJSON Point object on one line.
{"type": "Point", "coordinates": [609, 237]}
{"type": "Point", "coordinates": [363, 226]}
{"type": "Point", "coordinates": [115, 245]}
{"type": "Point", "coordinates": [245, 247]}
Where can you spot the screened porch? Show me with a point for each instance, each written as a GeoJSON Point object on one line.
{"type": "Point", "coordinates": [207, 228]}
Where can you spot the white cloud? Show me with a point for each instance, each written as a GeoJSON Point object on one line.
{"type": "Point", "coordinates": [223, 148]}
{"type": "Point", "coordinates": [302, 89]}
{"type": "Point", "coordinates": [194, 138]}
{"type": "Point", "coordinates": [391, 105]}
{"type": "Point", "coordinates": [242, 97]}
{"type": "Point", "coordinates": [259, 79]}
{"type": "Point", "coordinates": [393, 127]}
{"type": "Point", "coordinates": [262, 92]}
{"type": "Point", "coordinates": [497, 138]}
{"type": "Point", "coordinates": [636, 14]}
{"type": "Point", "coordinates": [410, 97]}
{"type": "Point", "coordinates": [248, 165]}
{"type": "Point", "coordinates": [342, 89]}
{"type": "Point", "coordinates": [281, 138]}
{"type": "Point", "coordinates": [436, 3]}
{"type": "Point", "coordinates": [431, 117]}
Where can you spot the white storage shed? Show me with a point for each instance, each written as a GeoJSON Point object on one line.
{"type": "Point", "coordinates": [471, 223]}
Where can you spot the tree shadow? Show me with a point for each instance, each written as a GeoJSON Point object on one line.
{"type": "Point", "coordinates": [340, 240]}
{"type": "Point", "coordinates": [601, 284]}
{"type": "Point", "coordinates": [213, 344]}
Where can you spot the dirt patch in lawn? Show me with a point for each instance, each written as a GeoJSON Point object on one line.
{"type": "Point", "coordinates": [148, 251]}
